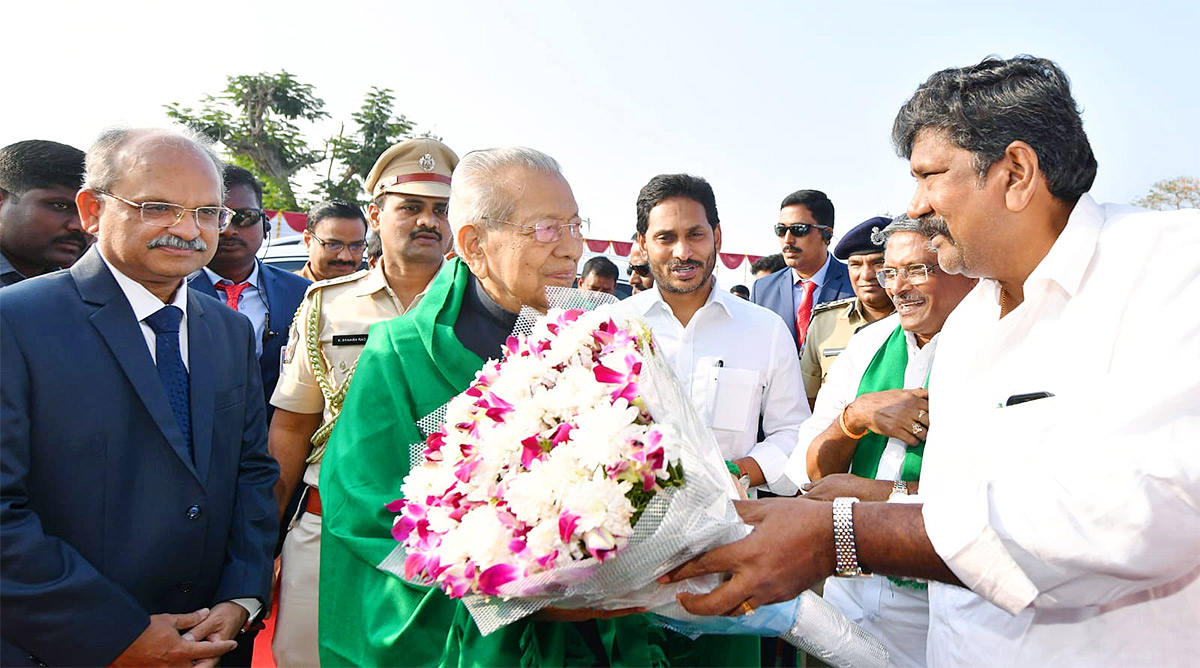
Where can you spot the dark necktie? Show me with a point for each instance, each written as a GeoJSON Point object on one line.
{"type": "Point", "coordinates": [174, 376]}
{"type": "Point", "coordinates": [233, 291]}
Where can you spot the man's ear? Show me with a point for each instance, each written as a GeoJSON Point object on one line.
{"type": "Point", "coordinates": [1022, 176]}
{"type": "Point", "coordinates": [717, 237]}
{"type": "Point", "coordinates": [469, 241]}
{"type": "Point", "coordinates": [373, 212]}
{"type": "Point", "coordinates": [89, 211]}
{"type": "Point", "coordinates": [308, 239]}
{"type": "Point", "coordinates": [641, 242]}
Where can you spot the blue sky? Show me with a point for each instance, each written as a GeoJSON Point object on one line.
{"type": "Point", "coordinates": [761, 98]}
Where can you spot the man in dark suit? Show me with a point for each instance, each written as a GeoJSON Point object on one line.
{"type": "Point", "coordinates": [267, 295]}
{"type": "Point", "coordinates": [136, 489]}
{"type": "Point", "coordinates": [812, 275]}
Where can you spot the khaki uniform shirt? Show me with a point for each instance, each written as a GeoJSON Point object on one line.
{"type": "Point", "coordinates": [349, 306]}
{"type": "Point", "coordinates": [832, 325]}
{"type": "Point", "coordinates": [306, 272]}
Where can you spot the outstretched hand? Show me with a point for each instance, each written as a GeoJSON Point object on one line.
{"type": "Point", "coordinates": [789, 551]}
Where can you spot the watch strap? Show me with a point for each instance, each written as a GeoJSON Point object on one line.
{"type": "Point", "coordinates": [844, 546]}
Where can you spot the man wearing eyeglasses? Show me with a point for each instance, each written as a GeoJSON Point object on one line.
{"type": "Point", "coordinates": [812, 275]}
{"type": "Point", "coordinates": [335, 236]}
{"type": "Point", "coordinates": [267, 295]}
{"type": "Point", "coordinates": [410, 187]}
{"type": "Point", "coordinates": [867, 433]}
{"type": "Point", "coordinates": [135, 497]}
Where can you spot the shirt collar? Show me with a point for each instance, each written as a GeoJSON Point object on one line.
{"type": "Point", "coordinates": [654, 299]}
{"type": "Point", "coordinates": [6, 267]}
{"type": "Point", "coordinates": [1072, 252]}
{"type": "Point", "coordinates": [819, 277]}
{"type": "Point", "coordinates": [215, 278]}
{"type": "Point", "coordinates": [373, 282]}
{"type": "Point", "coordinates": [142, 301]}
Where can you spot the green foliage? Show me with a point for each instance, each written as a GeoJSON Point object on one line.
{"type": "Point", "coordinates": [255, 120]}
{"type": "Point", "coordinates": [377, 129]}
{"type": "Point", "coordinates": [1182, 192]}
{"type": "Point", "coordinates": [640, 497]}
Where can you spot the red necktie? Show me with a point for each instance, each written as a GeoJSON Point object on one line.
{"type": "Point", "coordinates": [233, 291]}
{"type": "Point", "coordinates": [804, 311]}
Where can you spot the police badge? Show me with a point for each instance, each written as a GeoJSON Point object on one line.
{"type": "Point", "coordinates": [426, 162]}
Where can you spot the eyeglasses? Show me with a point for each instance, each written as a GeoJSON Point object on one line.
{"type": "Point", "coordinates": [797, 229]}
{"type": "Point", "coordinates": [165, 214]}
{"type": "Point", "coordinates": [640, 269]}
{"type": "Point", "coordinates": [335, 247]}
{"type": "Point", "coordinates": [549, 231]}
{"type": "Point", "coordinates": [913, 273]}
{"type": "Point", "coordinates": [247, 217]}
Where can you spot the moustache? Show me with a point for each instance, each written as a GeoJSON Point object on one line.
{"type": "Point", "coordinates": [792, 248]}
{"type": "Point", "coordinates": [172, 241]}
{"type": "Point", "coordinates": [74, 237]}
{"type": "Point", "coordinates": [425, 230]}
{"type": "Point", "coordinates": [342, 263]}
{"type": "Point", "coordinates": [932, 225]}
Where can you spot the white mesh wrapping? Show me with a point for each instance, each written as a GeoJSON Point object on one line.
{"type": "Point", "coordinates": [677, 525]}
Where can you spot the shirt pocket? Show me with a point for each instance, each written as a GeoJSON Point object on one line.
{"type": "Point", "coordinates": [735, 396]}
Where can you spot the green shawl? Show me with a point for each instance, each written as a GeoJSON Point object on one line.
{"type": "Point", "coordinates": [411, 366]}
{"type": "Point", "coordinates": [885, 372]}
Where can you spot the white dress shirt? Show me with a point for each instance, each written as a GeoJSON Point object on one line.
{"type": "Point", "coordinates": [737, 363]}
{"type": "Point", "coordinates": [1074, 519]}
{"type": "Point", "coordinates": [897, 615]}
{"type": "Point", "coordinates": [252, 303]}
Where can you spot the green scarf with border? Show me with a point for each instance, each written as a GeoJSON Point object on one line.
{"type": "Point", "coordinates": [885, 372]}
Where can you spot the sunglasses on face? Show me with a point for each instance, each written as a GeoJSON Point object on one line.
{"type": "Point", "coordinates": [247, 217]}
{"type": "Point", "coordinates": [797, 229]}
{"type": "Point", "coordinates": [640, 269]}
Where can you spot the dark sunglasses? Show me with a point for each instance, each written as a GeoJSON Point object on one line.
{"type": "Point", "coordinates": [640, 269]}
{"type": "Point", "coordinates": [247, 217]}
{"type": "Point", "coordinates": [797, 229]}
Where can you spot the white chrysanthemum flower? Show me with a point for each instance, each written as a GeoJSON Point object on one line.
{"type": "Point", "coordinates": [427, 480]}
{"type": "Point", "coordinates": [600, 502]}
{"type": "Point", "coordinates": [543, 539]}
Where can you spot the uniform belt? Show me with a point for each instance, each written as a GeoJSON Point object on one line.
{"type": "Point", "coordinates": [312, 503]}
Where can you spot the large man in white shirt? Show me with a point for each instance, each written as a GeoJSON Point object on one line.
{"type": "Point", "coordinates": [735, 360]}
{"type": "Point", "coordinates": [1061, 476]}
{"type": "Point", "coordinates": [861, 440]}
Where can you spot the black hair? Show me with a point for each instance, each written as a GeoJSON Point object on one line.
{"type": "Point", "coordinates": [335, 209]}
{"type": "Point", "coordinates": [240, 176]}
{"type": "Point", "coordinates": [771, 263]}
{"type": "Point", "coordinates": [666, 186]}
{"type": "Point", "coordinates": [817, 203]}
{"type": "Point", "coordinates": [374, 247]}
{"type": "Point", "coordinates": [741, 291]}
{"type": "Point", "coordinates": [39, 163]}
{"type": "Point", "coordinates": [985, 107]}
{"type": "Point", "coordinates": [600, 266]}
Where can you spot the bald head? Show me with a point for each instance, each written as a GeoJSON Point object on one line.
{"type": "Point", "coordinates": [121, 151]}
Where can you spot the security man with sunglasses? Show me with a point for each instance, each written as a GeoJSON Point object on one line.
{"type": "Point", "coordinates": [812, 275]}
{"type": "Point", "coordinates": [410, 190]}
{"type": "Point", "coordinates": [267, 295]}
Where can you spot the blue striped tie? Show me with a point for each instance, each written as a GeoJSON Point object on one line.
{"type": "Point", "coordinates": [174, 376]}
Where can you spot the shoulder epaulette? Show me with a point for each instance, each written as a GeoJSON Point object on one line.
{"type": "Point", "coordinates": [348, 278]}
{"type": "Point", "coordinates": [825, 306]}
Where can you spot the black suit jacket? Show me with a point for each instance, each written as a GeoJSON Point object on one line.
{"type": "Point", "coordinates": [105, 517]}
{"type": "Point", "coordinates": [284, 291]}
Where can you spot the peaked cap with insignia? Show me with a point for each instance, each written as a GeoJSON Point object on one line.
{"type": "Point", "coordinates": [413, 167]}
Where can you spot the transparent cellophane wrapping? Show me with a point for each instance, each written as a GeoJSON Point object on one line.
{"type": "Point", "coordinates": [677, 524]}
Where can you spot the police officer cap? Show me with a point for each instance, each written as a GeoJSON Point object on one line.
{"type": "Point", "coordinates": [413, 167]}
{"type": "Point", "coordinates": [859, 241]}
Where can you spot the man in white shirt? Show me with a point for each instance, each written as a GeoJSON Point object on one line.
{"type": "Point", "coordinates": [1061, 478]}
{"type": "Point", "coordinates": [735, 360]}
{"type": "Point", "coordinates": [861, 440]}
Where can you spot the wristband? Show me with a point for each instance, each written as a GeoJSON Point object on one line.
{"type": "Point", "coordinates": [845, 429]}
{"type": "Point", "coordinates": [844, 547]}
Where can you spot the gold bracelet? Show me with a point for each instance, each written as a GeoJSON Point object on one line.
{"type": "Point", "coordinates": [845, 429]}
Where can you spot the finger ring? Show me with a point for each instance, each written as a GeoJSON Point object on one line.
{"type": "Point", "coordinates": [917, 428]}
{"type": "Point", "coordinates": [747, 609]}
{"type": "Point", "coordinates": [921, 414]}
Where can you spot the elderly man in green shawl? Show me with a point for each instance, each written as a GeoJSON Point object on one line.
{"type": "Point", "coordinates": [517, 230]}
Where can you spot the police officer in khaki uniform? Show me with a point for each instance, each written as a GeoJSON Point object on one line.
{"type": "Point", "coordinates": [410, 187]}
{"type": "Point", "coordinates": [833, 323]}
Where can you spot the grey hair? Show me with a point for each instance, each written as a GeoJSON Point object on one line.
{"type": "Point", "coordinates": [480, 190]}
{"type": "Point", "coordinates": [901, 223]}
{"type": "Point", "coordinates": [101, 168]}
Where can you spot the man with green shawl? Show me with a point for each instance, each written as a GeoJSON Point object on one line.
{"type": "Point", "coordinates": [870, 419]}
{"type": "Point", "coordinates": [517, 230]}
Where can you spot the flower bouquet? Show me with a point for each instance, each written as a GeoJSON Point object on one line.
{"type": "Point", "coordinates": [572, 473]}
